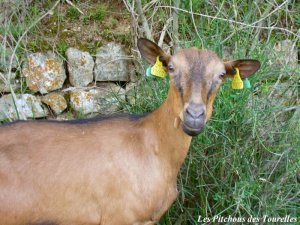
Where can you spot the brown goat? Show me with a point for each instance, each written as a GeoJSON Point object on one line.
{"type": "Point", "coordinates": [111, 171]}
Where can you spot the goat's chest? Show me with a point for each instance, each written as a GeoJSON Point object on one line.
{"type": "Point", "coordinates": [140, 208]}
{"type": "Point", "coordinates": [168, 196]}
{"type": "Point", "coordinates": [144, 194]}
{"type": "Point", "coordinates": [156, 198]}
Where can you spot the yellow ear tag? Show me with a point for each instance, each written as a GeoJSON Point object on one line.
{"type": "Point", "coordinates": [237, 82]}
{"type": "Point", "coordinates": [157, 69]}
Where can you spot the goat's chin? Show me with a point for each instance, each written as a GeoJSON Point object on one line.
{"type": "Point", "coordinates": [192, 131]}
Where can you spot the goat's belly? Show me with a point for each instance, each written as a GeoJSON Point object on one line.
{"type": "Point", "coordinates": [127, 210]}
{"type": "Point", "coordinates": [80, 205]}
{"type": "Point", "coordinates": [27, 205]}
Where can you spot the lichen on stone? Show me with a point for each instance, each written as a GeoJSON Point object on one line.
{"type": "Point", "coordinates": [44, 73]}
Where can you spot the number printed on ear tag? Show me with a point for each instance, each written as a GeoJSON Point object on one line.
{"type": "Point", "coordinates": [158, 69]}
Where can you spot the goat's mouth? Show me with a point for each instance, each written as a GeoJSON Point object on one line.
{"type": "Point", "coordinates": [193, 118]}
{"type": "Point", "coordinates": [192, 131]}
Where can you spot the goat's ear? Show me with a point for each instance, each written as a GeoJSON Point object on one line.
{"type": "Point", "coordinates": [149, 51]}
{"type": "Point", "coordinates": [245, 66]}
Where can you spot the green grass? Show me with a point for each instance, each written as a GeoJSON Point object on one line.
{"type": "Point", "coordinates": [98, 13]}
{"type": "Point", "coordinates": [247, 161]}
{"type": "Point", "coordinates": [72, 13]}
{"type": "Point", "coordinates": [62, 47]}
{"type": "Point", "coordinates": [244, 164]}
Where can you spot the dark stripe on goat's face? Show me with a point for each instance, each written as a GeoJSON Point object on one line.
{"type": "Point", "coordinates": [211, 89]}
{"type": "Point", "coordinates": [203, 67]}
{"type": "Point", "coordinates": [196, 77]}
{"type": "Point", "coordinates": [197, 68]}
{"type": "Point", "coordinates": [178, 84]}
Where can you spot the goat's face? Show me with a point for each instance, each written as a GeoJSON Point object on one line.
{"type": "Point", "coordinates": [197, 75]}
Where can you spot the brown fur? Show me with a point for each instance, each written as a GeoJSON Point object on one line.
{"type": "Point", "coordinates": [118, 171]}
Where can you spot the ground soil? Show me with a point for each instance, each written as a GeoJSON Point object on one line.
{"type": "Point", "coordinates": [100, 23]}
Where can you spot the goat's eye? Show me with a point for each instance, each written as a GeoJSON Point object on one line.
{"type": "Point", "coordinates": [170, 67]}
{"type": "Point", "coordinates": [222, 75]}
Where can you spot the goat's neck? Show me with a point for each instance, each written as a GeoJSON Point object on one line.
{"type": "Point", "coordinates": [173, 143]}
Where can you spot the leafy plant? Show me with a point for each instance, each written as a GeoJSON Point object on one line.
{"type": "Point", "coordinates": [62, 47]}
{"type": "Point", "coordinates": [72, 13]}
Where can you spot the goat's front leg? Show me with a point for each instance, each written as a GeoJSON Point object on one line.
{"type": "Point", "coordinates": [172, 195]}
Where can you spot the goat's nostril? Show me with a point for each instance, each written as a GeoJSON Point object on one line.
{"type": "Point", "coordinates": [195, 113]}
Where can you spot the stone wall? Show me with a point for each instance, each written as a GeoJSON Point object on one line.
{"type": "Point", "coordinates": [53, 85]}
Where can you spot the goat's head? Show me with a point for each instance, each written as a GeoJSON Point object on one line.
{"type": "Point", "coordinates": [196, 74]}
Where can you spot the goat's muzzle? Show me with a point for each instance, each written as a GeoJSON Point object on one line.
{"type": "Point", "coordinates": [193, 119]}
